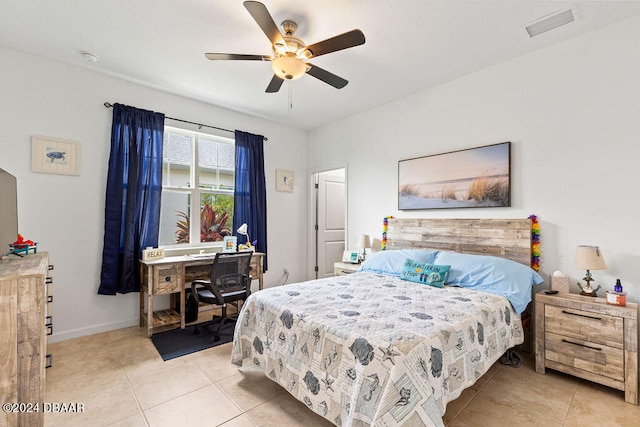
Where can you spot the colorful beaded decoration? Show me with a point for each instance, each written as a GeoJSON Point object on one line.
{"type": "Point", "coordinates": [385, 224]}
{"type": "Point", "coordinates": [535, 243]}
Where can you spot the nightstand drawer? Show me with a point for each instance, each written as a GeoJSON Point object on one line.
{"type": "Point", "coordinates": [596, 327]}
{"type": "Point", "coordinates": [585, 355]}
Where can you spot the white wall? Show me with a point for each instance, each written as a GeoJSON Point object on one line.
{"type": "Point", "coordinates": [65, 214]}
{"type": "Point", "coordinates": [572, 114]}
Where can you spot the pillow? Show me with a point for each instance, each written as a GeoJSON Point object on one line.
{"type": "Point", "coordinates": [491, 274]}
{"type": "Point", "coordinates": [392, 262]}
{"type": "Point", "coordinates": [428, 274]}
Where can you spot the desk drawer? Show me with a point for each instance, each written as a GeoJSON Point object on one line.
{"type": "Point", "coordinates": [579, 324]}
{"type": "Point", "coordinates": [167, 280]}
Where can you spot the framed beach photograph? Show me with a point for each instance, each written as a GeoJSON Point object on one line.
{"type": "Point", "coordinates": [473, 178]}
{"type": "Point", "coordinates": [284, 180]}
{"type": "Point", "coordinates": [54, 155]}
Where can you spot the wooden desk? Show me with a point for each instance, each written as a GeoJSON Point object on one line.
{"type": "Point", "coordinates": [168, 276]}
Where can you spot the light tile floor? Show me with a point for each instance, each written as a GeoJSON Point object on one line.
{"type": "Point", "coordinates": [121, 380]}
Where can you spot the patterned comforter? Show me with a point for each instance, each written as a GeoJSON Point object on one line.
{"type": "Point", "coordinates": [371, 349]}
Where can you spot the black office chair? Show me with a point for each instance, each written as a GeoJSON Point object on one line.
{"type": "Point", "coordinates": [230, 283]}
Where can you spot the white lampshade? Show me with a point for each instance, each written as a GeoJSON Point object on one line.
{"type": "Point", "coordinates": [243, 229]}
{"type": "Point", "coordinates": [364, 241]}
{"type": "Point", "coordinates": [288, 67]}
{"type": "Point", "coordinates": [589, 258]}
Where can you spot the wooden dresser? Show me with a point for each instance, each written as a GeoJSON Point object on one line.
{"type": "Point", "coordinates": [588, 338]}
{"type": "Point", "coordinates": [23, 338]}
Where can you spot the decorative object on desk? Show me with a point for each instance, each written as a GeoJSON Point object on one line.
{"type": "Point", "coordinates": [22, 246]}
{"type": "Point", "coordinates": [364, 242]}
{"type": "Point", "coordinates": [243, 231]}
{"type": "Point", "coordinates": [589, 258]}
{"type": "Point", "coordinates": [180, 342]}
{"type": "Point", "coordinates": [54, 155]}
{"type": "Point", "coordinates": [150, 254]}
{"type": "Point", "coordinates": [230, 244]}
{"type": "Point", "coordinates": [284, 180]}
{"type": "Point", "coordinates": [559, 282]}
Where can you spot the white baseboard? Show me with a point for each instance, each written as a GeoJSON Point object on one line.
{"type": "Point", "coordinates": [91, 330]}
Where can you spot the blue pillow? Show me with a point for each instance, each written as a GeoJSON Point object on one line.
{"type": "Point", "coordinates": [392, 262]}
{"type": "Point", "coordinates": [428, 274]}
{"type": "Point", "coordinates": [491, 274]}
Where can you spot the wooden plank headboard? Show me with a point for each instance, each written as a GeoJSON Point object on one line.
{"type": "Point", "coordinates": [505, 238]}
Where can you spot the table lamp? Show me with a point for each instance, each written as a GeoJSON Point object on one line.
{"type": "Point", "coordinates": [243, 231]}
{"type": "Point", "coordinates": [589, 258]}
{"type": "Point", "coordinates": [364, 242]}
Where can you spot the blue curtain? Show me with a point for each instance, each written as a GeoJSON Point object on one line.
{"type": "Point", "coordinates": [134, 190]}
{"type": "Point", "coordinates": [250, 197]}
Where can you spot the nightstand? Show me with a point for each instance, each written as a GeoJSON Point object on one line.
{"type": "Point", "coordinates": [590, 339]}
{"type": "Point", "coordinates": [342, 268]}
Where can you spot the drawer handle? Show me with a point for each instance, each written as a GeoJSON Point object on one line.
{"type": "Point", "coordinates": [48, 280]}
{"type": "Point", "coordinates": [581, 345]}
{"type": "Point", "coordinates": [50, 267]}
{"type": "Point", "coordinates": [49, 359]}
{"type": "Point", "coordinates": [582, 315]}
{"type": "Point", "coordinates": [167, 279]}
{"type": "Point", "coordinates": [49, 298]}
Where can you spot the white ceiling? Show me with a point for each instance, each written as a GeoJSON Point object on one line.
{"type": "Point", "coordinates": [411, 45]}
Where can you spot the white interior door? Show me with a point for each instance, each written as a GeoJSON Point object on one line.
{"type": "Point", "coordinates": [330, 222]}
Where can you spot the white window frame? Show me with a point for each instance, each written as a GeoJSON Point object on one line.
{"type": "Point", "coordinates": [195, 192]}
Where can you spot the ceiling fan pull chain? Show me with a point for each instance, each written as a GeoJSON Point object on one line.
{"type": "Point", "coordinates": [290, 95]}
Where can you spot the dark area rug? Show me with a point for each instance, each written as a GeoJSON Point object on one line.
{"type": "Point", "coordinates": [180, 342]}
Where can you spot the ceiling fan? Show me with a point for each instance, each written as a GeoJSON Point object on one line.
{"type": "Point", "coordinates": [290, 54]}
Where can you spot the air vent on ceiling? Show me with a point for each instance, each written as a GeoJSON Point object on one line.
{"type": "Point", "coordinates": [552, 21]}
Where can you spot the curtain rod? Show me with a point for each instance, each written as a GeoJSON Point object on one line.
{"type": "Point", "coordinates": [200, 125]}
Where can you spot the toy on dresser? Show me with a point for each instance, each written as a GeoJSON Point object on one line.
{"type": "Point", "coordinates": [22, 246]}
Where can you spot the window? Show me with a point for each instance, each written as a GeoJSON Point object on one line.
{"type": "Point", "coordinates": [197, 201]}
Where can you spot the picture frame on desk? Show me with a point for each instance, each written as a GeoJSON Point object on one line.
{"type": "Point", "coordinates": [230, 244]}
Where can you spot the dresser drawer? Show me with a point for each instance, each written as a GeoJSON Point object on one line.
{"type": "Point", "coordinates": [579, 324]}
{"type": "Point", "coordinates": [167, 281]}
{"type": "Point", "coordinates": [588, 356]}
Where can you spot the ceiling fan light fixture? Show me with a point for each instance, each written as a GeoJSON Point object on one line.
{"type": "Point", "coordinates": [288, 67]}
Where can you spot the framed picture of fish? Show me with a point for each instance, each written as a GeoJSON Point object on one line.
{"type": "Point", "coordinates": [54, 155]}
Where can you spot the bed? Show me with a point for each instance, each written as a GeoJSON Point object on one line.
{"type": "Point", "coordinates": [386, 345]}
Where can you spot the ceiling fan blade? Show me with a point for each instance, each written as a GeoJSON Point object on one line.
{"type": "Point", "coordinates": [264, 20]}
{"type": "Point", "coordinates": [274, 84]}
{"type": "Point", "coordinates": [327, 77]}
{"type": "Point", "coordinates": [343, 41]}
{"type": "Point", "coordinates": [236, 57]}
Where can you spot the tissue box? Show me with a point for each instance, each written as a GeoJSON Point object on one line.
{"type": "Point", "coordinates": [560, 283]}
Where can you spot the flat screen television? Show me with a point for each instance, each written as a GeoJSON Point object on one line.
{"type": "Point", "coordinates": [8, 210]}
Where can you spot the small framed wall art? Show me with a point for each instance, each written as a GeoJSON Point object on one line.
{"type": "Point", "coordinates": [284, 180]}
{"type": "Point", "coordinates": [54, 155]}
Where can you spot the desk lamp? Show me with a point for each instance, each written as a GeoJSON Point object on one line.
{"type": "Point", "coordinates": [243, 230]}
{"type": "Point", "coordinates": [589, 258]}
